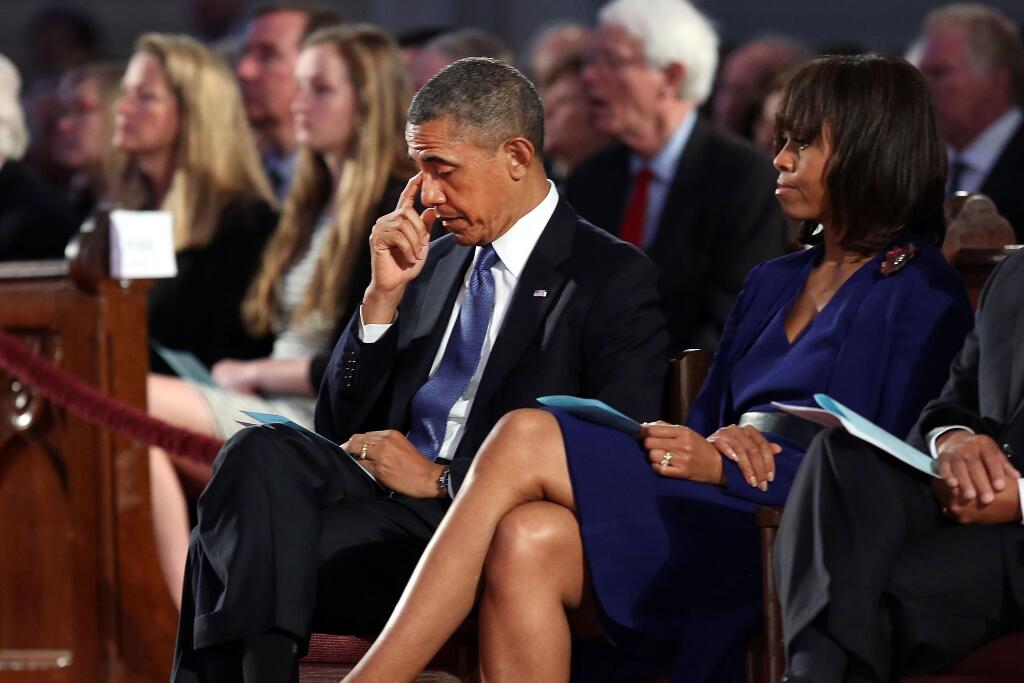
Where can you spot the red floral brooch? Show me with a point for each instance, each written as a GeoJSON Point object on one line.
{"type": "Point", "coordinates": [897, 257]}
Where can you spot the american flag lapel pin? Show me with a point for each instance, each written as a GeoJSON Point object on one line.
{"type": "Point", "coordinates": [540, 293]}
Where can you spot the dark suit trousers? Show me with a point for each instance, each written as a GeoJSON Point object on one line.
{"type": "Point", "coordinates": [292, 535]}
{"type": "Point", "coordinates": [865, 553]}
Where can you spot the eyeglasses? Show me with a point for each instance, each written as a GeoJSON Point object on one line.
{"type": "Point", "coordinates": [612, 61]}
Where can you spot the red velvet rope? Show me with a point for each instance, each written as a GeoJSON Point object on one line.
{"type": "Point", "coordinates": [88, 403]}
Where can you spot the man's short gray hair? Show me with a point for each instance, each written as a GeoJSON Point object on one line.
{"type": "Point", "coordinates": [13, 133]}
{"type": "Point", "coordinates": [671, 31]}
{"type": "Point", "coordinates": [491, 97]}
{"type": "Point", "coordinates": [993, 40]}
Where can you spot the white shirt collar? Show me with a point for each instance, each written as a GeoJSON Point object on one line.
{"type": "Point", "coordinates": [663, 163]}
{"type": "Point", "coordinates": [981, 155]}
{"type": "Point", "coordinates": [516, 245]}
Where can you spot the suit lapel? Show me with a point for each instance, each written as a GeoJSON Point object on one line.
{"type": "Point", "coordinates": [428, 319]}
{"type": "Point", "coordinates": [680, 213]}
{"type": "Point", "coordinates": [1015, 390]}
{"type": "Point", "coordinates": [526, 311]}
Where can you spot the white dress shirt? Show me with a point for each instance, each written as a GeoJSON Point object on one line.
{"type": "Point", "coordinates": [933, 437]}
{"type": "Point", "coordinates": [663, 169]}
{"type": "Point", "coordinates": [513, 250]}
{"type": "Point", "coordinates": [981, 155]}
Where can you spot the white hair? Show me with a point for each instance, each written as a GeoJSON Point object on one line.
{"type": "Point", "coordinates": [13, 133]}
{"type": "Point", "coordinates": [671, 31]}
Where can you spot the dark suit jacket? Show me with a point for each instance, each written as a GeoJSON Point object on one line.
{"type": "Point", "coordinates": [1003, 183]}
{"type": "Point", "coordinates": [35, 222]}
{"type": "Point", "coordinates": [985, 389]}
{"type": "Point", "coordinates": [599, 332]}
{"type": "Point", "coordinates": [720, 219]}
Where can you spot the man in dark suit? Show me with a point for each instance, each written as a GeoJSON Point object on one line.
{"type": "Point", "coordinates": [883, 570]}
{"type": "Point", "coordinates": [520, 300]}
{"type": "Point", "coordinates": [700, 202]}
{"type": "Point", "coordinates": [973, 58]}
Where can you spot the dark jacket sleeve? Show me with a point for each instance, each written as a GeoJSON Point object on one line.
{"type": "Point", "coordinates": [959, 403]}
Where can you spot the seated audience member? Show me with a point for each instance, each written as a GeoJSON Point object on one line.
{"type": "Point", "coordinates": [522, 299]}
{"type": "Point", "coordinates": [454, 45]}
{"type": "Point", "coordinates": [744, 75]}
{"type": "Point", "coordinates": [266, 75]}
{"type": "Point", "coordinates": [885, 572]}
{"type": "Point", "coordinates": [567, 527]}
{"type": "Point", "coordinates": [350, 123]}
{"type": "Point", "coordinates": [697, 201]}
{"type": "Point", "coordinates": [85, 128]}
{"type": "Point", "coordinates": [973, 58]}
{"type": "Point", "coordinates": [569, 132]}
{"type": "Point", "coordinates": [974, 222]}
{"type": "Point", "coordinates": [35, 222]}
{"type": "Point", "coordinates": [553, 45]}
{"type": "Point", "coordinates": [180, 123]}
{"type": "Point", "coordinates": [768, 107]}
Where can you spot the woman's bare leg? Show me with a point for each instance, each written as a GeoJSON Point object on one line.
{"type": "Point", "coordinates": [534, 579]}
{"type": "Point", "coordinates": [522, 461]}
{"type": "Point", "coordinates": [177, 402]}
{"type": "Point", "coordinates": [170, 521]}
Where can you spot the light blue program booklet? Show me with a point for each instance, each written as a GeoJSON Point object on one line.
{"type": "Point", "coordinates": [834, 414]}
{"type": "Point", "coordinates": [273, 418]}
{"type": "Point", "coordinates": [592, 410]}
{"type": "Point", "coordinates": [184, 364]}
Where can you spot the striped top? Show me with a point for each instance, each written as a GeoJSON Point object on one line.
{"type": "Point", "coordinates": [313, 333]}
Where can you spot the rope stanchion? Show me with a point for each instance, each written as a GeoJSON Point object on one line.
{"type": "Point", "coordinates": [85, 401]}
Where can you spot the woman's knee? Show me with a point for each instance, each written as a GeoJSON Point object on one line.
{"type": "Point", "coordinates": [532, 544]}
{"type": "Point", "coordinates": [519, 436]}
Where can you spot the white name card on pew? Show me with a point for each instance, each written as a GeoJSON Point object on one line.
{"type": "Point", "coordinates": [142, 245]}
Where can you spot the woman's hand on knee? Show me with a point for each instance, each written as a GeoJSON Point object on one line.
{"type": "Point", "coordinates": [752, 453]}
{"type": "Point", "coordinates": [679, 452]}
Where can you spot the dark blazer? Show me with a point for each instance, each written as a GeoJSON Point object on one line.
{"type": "Point", "coordinates": [1003, 183]}
{"type": "Point", "coordinates": [985, 390]}
{"type": "Point", "coordinates": [720, 219]}
{"type": "Point", "coordinates": [598, 332]}
{"type": "Point", "coordinates": [200, 309]}
{"type": "Point", "coordinates": [35, 222]}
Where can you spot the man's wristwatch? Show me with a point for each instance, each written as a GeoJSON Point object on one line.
{"type": "Point", "coordinates": [444, 481]}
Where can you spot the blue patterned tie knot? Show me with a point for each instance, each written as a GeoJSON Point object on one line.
{"type": "Point", "coordinates": [434, 400]}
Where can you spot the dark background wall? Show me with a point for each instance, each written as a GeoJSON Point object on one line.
{"type": "Point", "coordinates": [875, 24]}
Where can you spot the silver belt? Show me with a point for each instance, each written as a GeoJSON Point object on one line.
{"type": "Point", "coordinates": [793, 429]}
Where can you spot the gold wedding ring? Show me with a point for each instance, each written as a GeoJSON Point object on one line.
{"type": "Point", "coordinates": [362, 452]}
{"type": "Point", "coordinates": [666, 459]}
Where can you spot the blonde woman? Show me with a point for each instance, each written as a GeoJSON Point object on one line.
{"type": "Point", "coordinates": [349, 118]}
{"type": "Point", "coordinates": [83, 142]}
{"type": "Point", "coordinates": [181, 125]}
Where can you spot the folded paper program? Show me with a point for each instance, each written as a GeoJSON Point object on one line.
{"type": "Point", "coordinates": [834, 414]}
{"type": "Point", "coordinates": [592, 410]}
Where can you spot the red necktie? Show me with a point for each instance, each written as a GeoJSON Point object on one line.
{"type": "Point", "coordinates": [632, 228]}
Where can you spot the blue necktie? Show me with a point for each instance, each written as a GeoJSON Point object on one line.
{"type": "Point", "coordinates": [434, 400]}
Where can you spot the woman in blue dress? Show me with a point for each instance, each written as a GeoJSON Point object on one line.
{"type": "Point", "coordinates": [566, 529]}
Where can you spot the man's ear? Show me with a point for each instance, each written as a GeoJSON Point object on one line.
{"type": "Point", "coordinates": [675, 75]}
{"type": "Point", "coordinates": [520, 154]}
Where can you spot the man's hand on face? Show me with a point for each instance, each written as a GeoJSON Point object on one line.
{"type": "Point", "coordinates": [396, 463]}
{"type": "Point", "coordinates": [974, 465]}
{"type": "Point", "coordinates": [398, 249]}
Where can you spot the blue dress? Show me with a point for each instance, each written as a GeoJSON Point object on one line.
{"type": "Point", "coordinates": [675, 564]}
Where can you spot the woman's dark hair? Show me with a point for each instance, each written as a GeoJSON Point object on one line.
{"type": "Point", "coordinates": [887, 173]}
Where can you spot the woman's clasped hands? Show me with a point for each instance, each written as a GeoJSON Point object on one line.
{"type": "Point", "coordinates": [680, 452]}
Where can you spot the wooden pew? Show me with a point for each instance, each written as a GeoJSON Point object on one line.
{"type": "Point", "coordinates": [81, 595]}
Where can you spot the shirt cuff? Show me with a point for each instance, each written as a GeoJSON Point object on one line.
{"type": "Point", "coordinates": [369, 334]}
{"type": "Point", "coordinates": [934, 435]}
{"type": "Point", "coordinates": [1020, 487]}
